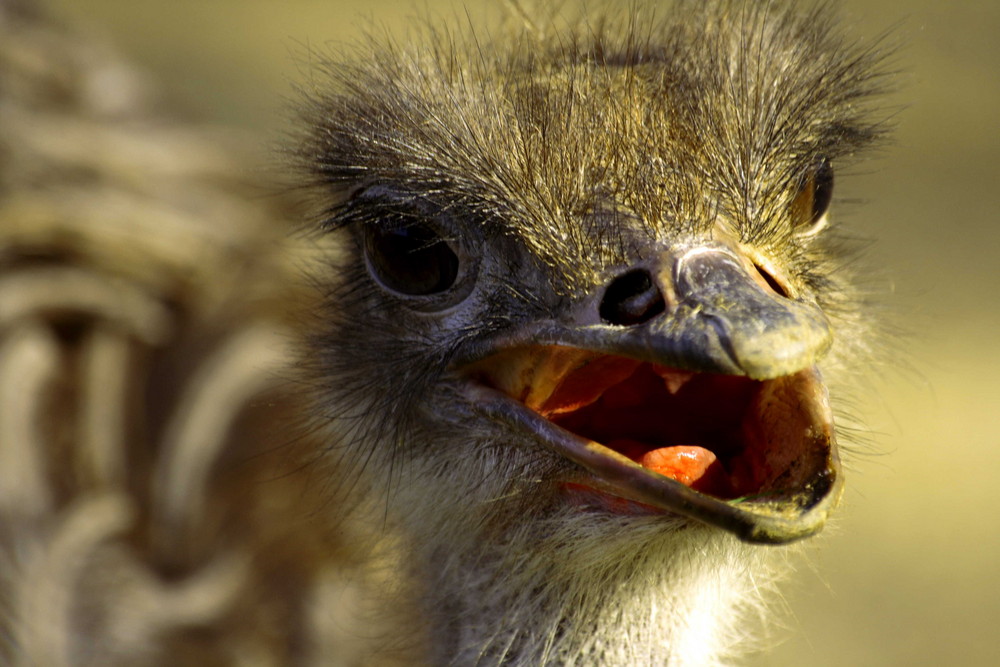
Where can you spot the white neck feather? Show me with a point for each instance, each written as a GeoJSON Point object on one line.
{"type": "Point", "coordinates": [584, 591]}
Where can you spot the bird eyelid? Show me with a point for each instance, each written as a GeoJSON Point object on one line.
{"type": "Point", "coordinates": [814, 229]}
{"type": "Point", "coordinates": [385, 205]}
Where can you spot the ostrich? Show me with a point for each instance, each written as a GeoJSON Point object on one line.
{"type": "Point", "coordinates": [575, 329]}
{"type": "Point", "coordinates": [565, 374]}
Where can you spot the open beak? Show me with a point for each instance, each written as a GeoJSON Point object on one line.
{"type": "Point", "coordinates": [712, 409]}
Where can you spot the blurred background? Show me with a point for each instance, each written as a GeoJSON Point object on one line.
{"type": "Point", "coordinates": [910, 572]}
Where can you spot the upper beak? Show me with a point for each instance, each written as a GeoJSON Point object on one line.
{"type": "Point", "coordinates": [717, 318]}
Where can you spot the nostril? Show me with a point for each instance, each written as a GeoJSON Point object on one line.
{"type": "Point", "coordinates": [776, 285]}
{"type": "Point", "coordinates": [631, 298]}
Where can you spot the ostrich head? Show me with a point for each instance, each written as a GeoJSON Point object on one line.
{"type": "Point", "coordinates": [580, 314]}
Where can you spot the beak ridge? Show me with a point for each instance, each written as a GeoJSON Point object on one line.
{"type": "Point", "coordinates": [727, 322]}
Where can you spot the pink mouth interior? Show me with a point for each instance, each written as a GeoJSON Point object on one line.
{"type": "Point", "coordinates": [683, 425]}
{"type": "Point", "coordinates": [729, 437]}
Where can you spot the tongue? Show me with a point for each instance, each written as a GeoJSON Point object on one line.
{"type": "Point", "coordinates": [690, 465]}
{"type": "Point", "coordinates": [685, 463]}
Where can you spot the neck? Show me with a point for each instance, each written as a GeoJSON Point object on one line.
{"type": "Point", "coordinates": [587, 589]}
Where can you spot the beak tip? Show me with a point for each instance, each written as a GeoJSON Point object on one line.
{"type": "Point", "coordinates": [782, 351]}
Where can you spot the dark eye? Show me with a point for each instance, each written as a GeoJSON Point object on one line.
{"type": "Point", "coordinates": [813, 199]}
{"type": "Point", "coordinates": [822, 190]}
{"type": "Point", "coordinates": [411, 259]}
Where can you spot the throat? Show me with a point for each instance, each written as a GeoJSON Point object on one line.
{"type": "Point", "coordinates": [621, 597]}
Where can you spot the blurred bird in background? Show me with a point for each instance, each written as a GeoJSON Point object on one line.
{"type": "Point", "coordinates": [146, 305]}
{"type": "Point", "coordinates": [575, 300]}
